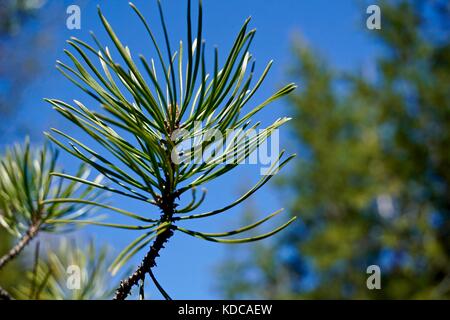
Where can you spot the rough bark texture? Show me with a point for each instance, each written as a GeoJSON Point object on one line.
{"type": "Point", "coordinates": [167, 206]}
{"type": "Point", "coordinates": [148, 262]}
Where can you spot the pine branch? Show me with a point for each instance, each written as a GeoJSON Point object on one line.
{"type": "Point", "coordinates": [23, 242]}
{"type": "Point", "coordinates": [142, 164]}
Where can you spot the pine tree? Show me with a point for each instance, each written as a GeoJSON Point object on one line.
{"type": "Point", "coordinates": [373, 182]}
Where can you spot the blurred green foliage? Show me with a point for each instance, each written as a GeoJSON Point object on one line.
{"type": "Point", "coordinates": [69, 271]}
{"type": "Point", "coordinates": [372, 185]}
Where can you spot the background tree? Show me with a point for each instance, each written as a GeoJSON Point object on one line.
{"type": "Point", "coordinates": [373, 183]}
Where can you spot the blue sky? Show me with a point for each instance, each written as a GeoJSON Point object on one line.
{"type": "Point", "coordinates": [335, 28]}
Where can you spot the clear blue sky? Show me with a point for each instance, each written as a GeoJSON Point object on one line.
{"type": "Point", "coordinates": [335, 28]}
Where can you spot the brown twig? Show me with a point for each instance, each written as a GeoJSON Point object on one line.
{"type": "Point", "coordinates": [148, 262]}
{"type": "Point", "coordinates": [167, 206]}
{"type": "Point", "coordinates": [23, 242]}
